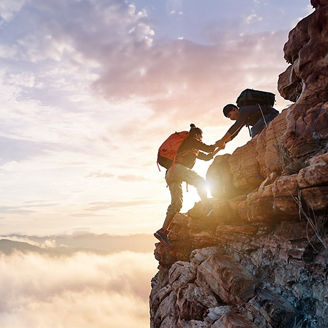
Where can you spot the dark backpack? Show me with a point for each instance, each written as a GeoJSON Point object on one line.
{"type": "Point", "coordinates": [168, 151]}
{"type": "Point", "coordinates": [253, 97]}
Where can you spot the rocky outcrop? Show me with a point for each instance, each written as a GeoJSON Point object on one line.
{"type": "Point", "coordinates": [260, 276]}
{"type": "Point", "coordinates": [259, 256]}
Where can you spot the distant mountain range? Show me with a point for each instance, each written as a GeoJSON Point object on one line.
{"type": "Point", "coordinates": [69, 244]}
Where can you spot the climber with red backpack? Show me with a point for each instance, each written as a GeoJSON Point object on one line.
{"type": "Point", "coordinates": [178, 155]}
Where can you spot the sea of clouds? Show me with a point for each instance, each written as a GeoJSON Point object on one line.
{"type": "Point", "coordinates": [79, 290]}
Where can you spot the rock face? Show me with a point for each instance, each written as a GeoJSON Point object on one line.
{"type": "Point", "coordinates": [259, 258]}
{"type": "Point", "coordinates": [263, 276]}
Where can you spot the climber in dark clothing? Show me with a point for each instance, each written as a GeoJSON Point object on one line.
{"type": "Point", "coordinates": [181, 171]}
{"type": "Point", "coordinates": [190, 149]}
{"type": "Point", "coordinates": [256, 116]}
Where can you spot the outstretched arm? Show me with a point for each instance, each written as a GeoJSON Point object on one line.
{"type": "Point", "coordinates": [233, 131]}
{"type": "Point", "coordinates": [226, 138]}
{"type": "Point", "coordinates": [205, 157]}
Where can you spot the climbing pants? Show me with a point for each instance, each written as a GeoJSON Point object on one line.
{"type": "Point", "coordinates": [174, 180]}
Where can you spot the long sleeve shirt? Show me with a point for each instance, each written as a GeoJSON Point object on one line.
{"type": "Point", "coordinates": [189, 151]}
{"type": "Point", "coordinates": [248, 115]}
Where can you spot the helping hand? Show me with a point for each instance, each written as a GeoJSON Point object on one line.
{"type": "Point", "coordinates": [220, 144]}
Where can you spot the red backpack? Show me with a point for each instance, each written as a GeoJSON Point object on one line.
{"type": "Point", "coordinates": [167, 152]}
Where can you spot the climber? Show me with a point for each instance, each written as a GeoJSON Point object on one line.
{"type": "Point", "coordinates": [180, 169]}
{"type": "Point", "coordinates": [257, 116]}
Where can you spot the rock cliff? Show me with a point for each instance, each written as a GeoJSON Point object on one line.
{"type": "Point", "coordinates": [260, 257]}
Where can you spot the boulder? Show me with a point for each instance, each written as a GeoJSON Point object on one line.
{"type": "Point", "coordinates": [227, 279]}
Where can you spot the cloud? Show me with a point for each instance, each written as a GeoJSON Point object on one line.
{"type": "Point", "coordinates": [23, 240]}
{"type": "Point", "coordinates": [26, 207]}
{"type": "Point", "coordinates": [174, 12]}
{"type": "Point", "coordinates": [131, 178]}
{"type": "Point", "coordinates": [99, 206]}
{"type": "Point", "coordinates": [79, 291]}
{"type": "Point", "coordinates": [253, 18]}
{"type": "Point", "coordinates": [18, 149]}
{"type": "Point", "coordinates": [186, 81]}
{"type": "Point", "coordinates": [14, 210]}
{"type": "Point", "coordinates": [177, 79]}
{"type": "Point", "coordinates": [125, 178]}
{"type": "Point", "coordinates": [100, 174]}
{"type": "Point", "coordinates": [64, 245]}
{"type": "Point", "coordinates": [8, 8]}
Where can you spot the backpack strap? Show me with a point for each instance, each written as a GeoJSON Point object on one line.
{"type": "Point", "coordinates": [172, 168]}
{"type": "Point", "coordinates": [249, 130]}
{"type": "Point", "coordinates": [265, 122]}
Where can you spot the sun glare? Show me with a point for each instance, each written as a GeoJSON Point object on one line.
{"type": "Point", "coordinates": [191, 197]}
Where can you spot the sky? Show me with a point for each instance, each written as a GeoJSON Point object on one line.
{"type": "Point", "coordinates": [89, 89]}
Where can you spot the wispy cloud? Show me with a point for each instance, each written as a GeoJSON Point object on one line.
{"type": "Point", "coordinates": [14, 210]}
{"type": "Point", "coordinates": [9, 8]}
{"type": "Point", "coordinates": [100, 175]}
{"type": "Point", "coordinates": [124, 178]}
{"type": "Point", "coordinates": [253, 18]}
{"type": "Point", "coordinates": [17, 149]}
{"type": "Point", "coordinates": [131, 178]}
{"type": "Point", "coordinates": [99, 206]}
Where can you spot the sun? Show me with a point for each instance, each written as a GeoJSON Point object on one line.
{"type": "Point", "coordinates": [190, 197]}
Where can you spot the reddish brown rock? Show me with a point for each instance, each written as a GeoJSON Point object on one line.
{"type": "Point", "coordinates": [180, 274]}
{"type": "Point", "coordinates": [219, 212]}
{"type": "Point", "coordinates": [268, 146]}
{"type": "Point", "coordinates": [235, 232]}
{"type": "Point", "coordinates": [178, 229]}
{"type": "Point", "coordinates": [306, 49]}
{"type": "Point", "coordinates": [191, 324]}
{"type": "Point", "coordinates": [233, 320]}
{"type": "Point", "coordinates": [164, 255]}
{"type": "Point", "coordinates": [193, 302]}
{"type": "Point", "coordinates": [306, 131]}
{"type": "Point", "coordinates": [316, 198]}
{"type": "Point", "coordinates": [284, 192]}
{"type": "Point", "coordinates": [199, 255]}
{"type": "Point", "coordinates": [319, 3]}
{"type": "Point", "coordinates": [297, 37]}
{"type": "Point", "coordinates": [203, 239]}
{"type": "Point", "coordinates": [245, 168]}
{"type": "Point", "coordinates": [291, 231]}
{"type": "Point", "coordinates": [219, 178]}
{"type": "Point", "coordinates": [259, 209]}
{"type": "Point", "coordinates": [289, 84]}
{"type": "Point", "coordinates": [285, 186]}
{"type": "Point", "coordinates": [226, 279]}
{"type": "Point", "coordinates": [316, 173]}
{"type": "Point", "coordinates": [166, 314]}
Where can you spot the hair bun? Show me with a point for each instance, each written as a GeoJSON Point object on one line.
{"type": "Point", "coordinates": [192, 125]}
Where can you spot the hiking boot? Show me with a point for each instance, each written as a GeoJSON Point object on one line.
{"type": "Point", "coordinates": [161, 235]}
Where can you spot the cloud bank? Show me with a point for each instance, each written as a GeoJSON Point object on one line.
{"type": "Point", "coordinates": [79, 291]}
